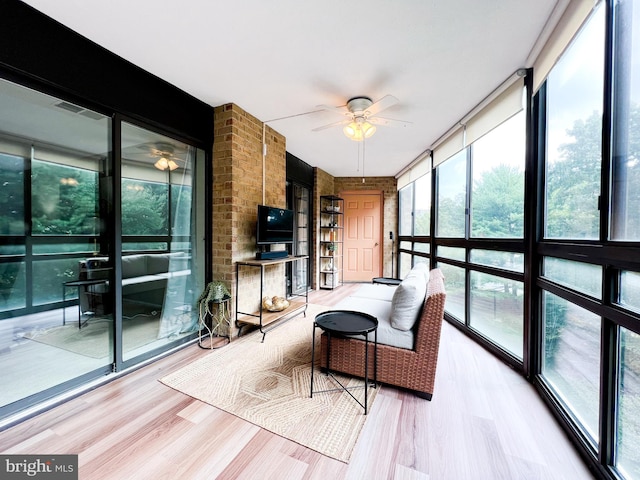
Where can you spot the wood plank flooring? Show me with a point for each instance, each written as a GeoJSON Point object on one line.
{"type": "Point", "coordinates": [484, 422]}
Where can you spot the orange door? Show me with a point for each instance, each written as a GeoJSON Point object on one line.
{"type": "Point", "coordinates": [362, 236]}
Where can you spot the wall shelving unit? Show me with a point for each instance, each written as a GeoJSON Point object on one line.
{"type": "Point", "coordinates": [331, 237]}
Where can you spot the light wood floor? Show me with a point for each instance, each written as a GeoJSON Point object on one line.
{"type": "Point", "coordinates": [484, 422]}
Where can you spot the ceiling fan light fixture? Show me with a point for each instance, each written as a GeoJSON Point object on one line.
{"type": "Point", "coordinates": [367, 129]}
{"type": "Point", "coordinates": [358, 131]}
{"type": "Point", "coordinates": [163, 163]}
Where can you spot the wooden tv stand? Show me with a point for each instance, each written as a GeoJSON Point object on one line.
{"type": "Point", "coordinates": [263, 319]}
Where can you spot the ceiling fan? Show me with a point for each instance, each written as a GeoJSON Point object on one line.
{"type": "Point", "coordinates": [362, 116]}
{"type": "Point", "coordinates": [165, 152]}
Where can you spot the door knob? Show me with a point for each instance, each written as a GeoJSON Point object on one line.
{"type": "Point", "coordinates": [376, 244]}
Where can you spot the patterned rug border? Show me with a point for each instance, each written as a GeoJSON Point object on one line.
{"type": "Point", "coordinates": [274, 374]}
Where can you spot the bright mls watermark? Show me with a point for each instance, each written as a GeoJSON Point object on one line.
{"type": "Point", "coordinates": [50, 467]}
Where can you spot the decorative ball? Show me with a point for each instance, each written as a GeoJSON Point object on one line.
{"type": "Point", "coordinates": [275, 304]}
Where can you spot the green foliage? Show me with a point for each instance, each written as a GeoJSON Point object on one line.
{"type": "Point", "coordinates": [555, 319]}
{"type": "Point", "coordinates": [11, 195]}
{"type": "Point", "coordinates": [144, 208]}
{"type": "Point", "coordinates": [498, 204]}
{"type": "Point", "coordinates": [64, 200]}
{"type": "Point", "coordinates": [573, 183]}
{"type": "Point", "coordinates": [451, 216]}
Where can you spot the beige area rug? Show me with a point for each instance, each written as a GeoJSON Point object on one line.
{"type": "Point", "coordinates": [268, 384]}
{"type": "Point", "coordinates": [95, 338]}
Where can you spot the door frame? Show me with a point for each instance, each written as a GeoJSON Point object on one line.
{"type": "Point", "coordinates": [380, 193]}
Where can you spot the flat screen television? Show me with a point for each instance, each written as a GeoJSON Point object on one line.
{"type": "Point", "coordinates": [275, 225]}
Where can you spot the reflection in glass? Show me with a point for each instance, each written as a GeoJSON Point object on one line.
{"type": "Point", "coordinates": [418, 260]}
{"type": "Point", "coordinates": [404, 261]}
{"type": "Point", "coordinates": [405, 210]}
{"type": "Point", "coordinates": [574, 136]}
{"type": "Point", "coordinates": [583, 277]}
{"type": "Point", "coordinates": [628, 422]}
{"type": "Point", "coordinates": [454, 283]}
{"type": "Point", "coordinates": [497, 310]}
{"type": "Point", "coordinates": [42, 346]}
{"type": "Point", "coordinates": [422, 212]}
{"type": "Point", "coordinates": [497, 198]}
{"type": "Point", "coordinates": [13, 293]}
{"type": "Point", "coordinates": [64, 197]}
{"type": "Point", "coordinates": [454, 253]}
{"type": "Point", "coordinates": [160, 287]}
{"type": "Point", "coordinates": [626, 131]}
{"type": "Point", "coordinates": [451, 200]}
{"type": "Point", "coordinates": [493, 258]}
{"type": "Point", "coordinates": [571, 360]}
{"type": "Point", "coordinates": [421, 247]}
{"type": "Point", "coordinates": [630, 290]}
{"type": "Point", "coordinates": [12, 221]}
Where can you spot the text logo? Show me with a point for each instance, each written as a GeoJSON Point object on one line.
{"type": "Point", "coordinates": [50, 467]}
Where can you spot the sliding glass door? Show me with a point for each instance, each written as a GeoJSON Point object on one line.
{"type": "Point", "coordinates": [53, 155]}
{"type": "Point", "coordinates": [160, 279]}
{"type": "Point", "coordinates": [101, 250]}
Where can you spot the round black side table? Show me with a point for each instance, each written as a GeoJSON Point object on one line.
{"type": "Point", "coordinates": [342, 323]}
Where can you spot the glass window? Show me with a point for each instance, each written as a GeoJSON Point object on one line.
{"type": "Point", "coordinates": [405, 206]}
{"type": "Point", "coordinates": [64, 197]}
{"type": "Point", "coordinates": [421, 247]}
{"type": "Point", "coordinates": [404, 261]}
{"type": "Point", "coordinates": [48, 277]}
{"type": "Point", "coordinates": [492, 258]}
{"type": "Point", "coordinates": [630, 290]}
{"type": "Point", "coordinates": [497, 310]}
{"type": "Point", "coordinates": [12, 219]}
{"type": "Point", "coordinates": [157, 201]}
{"type": "Point", "coordinates": [571, 360]}
{"type": "Point", "coordinates": [145, 207]}
{"type": "Point", "coordinates": [418, 260]}
{"type": "Point", "coordinates": [453, 253]}
{"type": "Point", "coordinates": [574, 136]}
{"type": "Point", "coordinates": [628, 421]}
{"type": "Point", "coordinates": [422, 213]}
{"type": "Point", "coordinates": [454, 283]}
{"type": "Point", "coordinates": [405, 245]}
{"type": "Point", "coordinates": [626, 112]}
{"type": "Point", "coordinates": [55, 151]}
{"type": "Point", "coordinates": [451, 201]}
{"type": "Point", "coordinates": [13, 293]}
{"type": "Point", "coordinates": [497, 199]}
{"type": "Point", "coordinates": [583, 277]}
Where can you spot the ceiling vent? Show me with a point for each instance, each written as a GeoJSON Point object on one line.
{"type": "Point", "coordinates": [70, 107]}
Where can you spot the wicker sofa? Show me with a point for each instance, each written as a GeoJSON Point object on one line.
{"type": "Point", "coordinates": [412, 367]}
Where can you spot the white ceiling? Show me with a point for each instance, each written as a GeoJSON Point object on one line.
{"type": "Point", "coordinates": [283, 58]}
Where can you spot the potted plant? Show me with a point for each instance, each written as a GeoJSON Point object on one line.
{"type": "Point", "coordinates": [332, 247]}
{"type": "Point", "coordinates": [216, 292]}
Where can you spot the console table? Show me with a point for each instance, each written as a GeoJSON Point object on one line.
{"type": "Point", "coordinates": [77, 284]}
{"type": "Point", "coordinates": [297, 304]}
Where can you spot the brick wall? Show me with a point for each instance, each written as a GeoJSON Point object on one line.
{"type": "Point", "coordinates": [237, 192]}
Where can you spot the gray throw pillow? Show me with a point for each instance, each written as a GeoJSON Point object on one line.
{"type": "Point", "coordinates": [407, 301]}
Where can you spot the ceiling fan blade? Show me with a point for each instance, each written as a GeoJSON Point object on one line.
{"type": "Point", "coordinates": [339, 110]}
{"type": "Point", "coordinates": [389, 122]}
{"type": "Point", "coordinates": [382, 104]}
{"type": "Point", "coordinates": [331, 125]}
